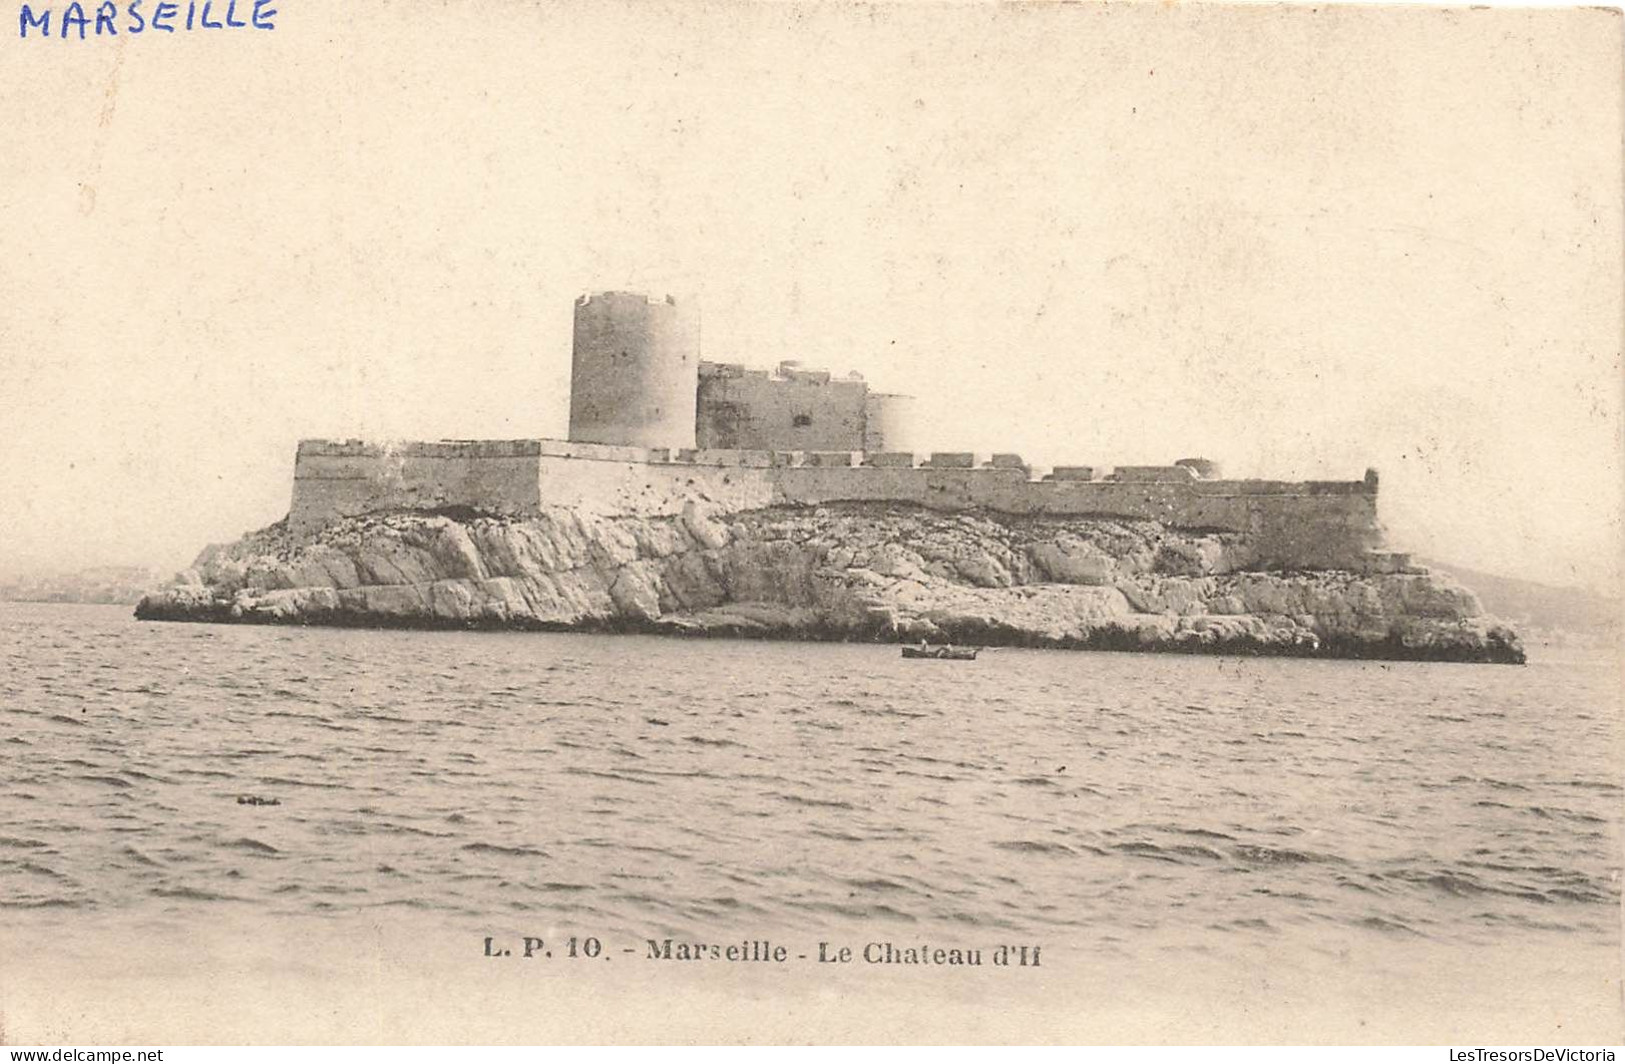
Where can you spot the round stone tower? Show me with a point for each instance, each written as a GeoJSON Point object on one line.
{"type": "Point", "coordinates": [634, 372]}
{"type": "Point", "coordinates": [888, 422]}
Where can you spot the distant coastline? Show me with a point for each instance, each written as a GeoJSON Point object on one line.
{"type": "Point", "coordinates": [1540, 610]}
{"type": "Point", "coordinates": [105, 585]}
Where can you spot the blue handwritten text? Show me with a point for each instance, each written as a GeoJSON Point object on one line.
{"type": "Point", "coordinates": [81, 20]}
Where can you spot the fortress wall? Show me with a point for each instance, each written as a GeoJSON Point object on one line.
{"type": "Point", "coordinates": [1290, 527]}
{"type": "Point", "coordinates": [939, 489]}
{"type": "Point", "coordinates": [1316, 531]}
{"type": "Point", "coordinates": [1318, 524]}
{"type": "Point", "coordinates": [1171, 502]}
{"type": "Point", "coordinates": [327, 486]}
{"type": "Point", "coordinates": [1144, 473]}
{"type": "Point", "coordinates": [349, 478]}
{"type": "Point", "coordinates": [661, 488]}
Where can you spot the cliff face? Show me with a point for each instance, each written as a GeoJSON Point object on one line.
{"type": "Point", "coordinates": [840, 571]}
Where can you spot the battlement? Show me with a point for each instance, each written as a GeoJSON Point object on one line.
{"type": "Point", "coordinates": [420, 448]}
{"type": "Point", "coordinates": [964, 461]}
{"type": "Point", "coordinates": [1140, 474]}
{"type": "Point", "coordinates": [624, 297]}
{"type": "Point", "coordinates": [788, 370]}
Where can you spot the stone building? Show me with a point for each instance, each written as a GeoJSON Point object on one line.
{"type": "Point", "coordinates": [636, 381]}
{"type": "Point", "coordinates": [654, 431]}
{"type": "Point", "coordinates": [796, 409]}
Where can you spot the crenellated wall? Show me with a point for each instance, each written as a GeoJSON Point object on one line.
{"type": "Point", "coordinates": [1312, 524]}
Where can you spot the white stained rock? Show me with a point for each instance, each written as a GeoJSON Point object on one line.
{"type": "Point", "coordinates": [835, 571]}
{"type": "Point", "coordinates": [635, 592]}
{"type": "Point", "coordinates": [706, 530]}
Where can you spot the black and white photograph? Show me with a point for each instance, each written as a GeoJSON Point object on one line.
{"type": "Point", "coordinates": [745, 522]}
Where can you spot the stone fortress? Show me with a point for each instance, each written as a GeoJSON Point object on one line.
{"type": "Point", "coordinates": [707, 499]}
{"type": "Point", "coordinates": [655, 431]}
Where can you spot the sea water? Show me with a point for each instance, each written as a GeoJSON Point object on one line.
{"type": "Point", "coordinates": [1134, 816]}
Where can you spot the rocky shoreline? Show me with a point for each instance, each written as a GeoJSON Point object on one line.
{"type": "Point", "coordinates": [840, 572]}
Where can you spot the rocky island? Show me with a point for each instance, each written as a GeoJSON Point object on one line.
{"type": "Point", "coordinates": [839, 571]}
{"type": "Point", "coordinates": [707, 499]}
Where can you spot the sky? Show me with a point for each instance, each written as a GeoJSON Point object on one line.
{"type": "Point", "coordinates": [1299, 242]}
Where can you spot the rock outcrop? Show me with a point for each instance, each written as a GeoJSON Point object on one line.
{"type": "Point", "coordinates": [840, 571]}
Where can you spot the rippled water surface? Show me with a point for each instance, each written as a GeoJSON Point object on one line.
{"type": "Point", "coordinates": [639, 786]}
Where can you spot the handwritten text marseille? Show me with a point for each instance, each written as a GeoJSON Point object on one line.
{"type": "Point", "coordinates": [108, 19]}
